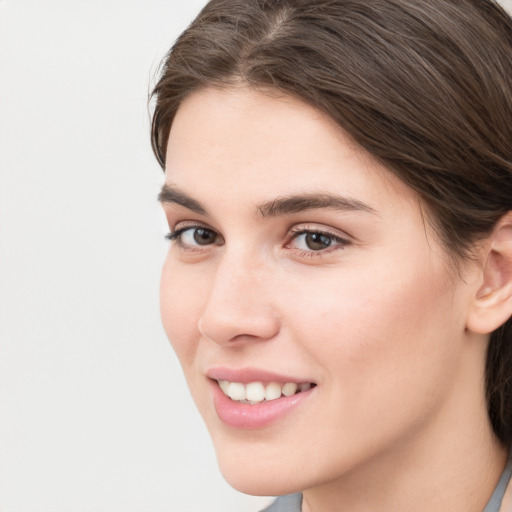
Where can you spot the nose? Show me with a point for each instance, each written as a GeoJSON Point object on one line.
{"type": "Point", "coordinates": [239, 308]}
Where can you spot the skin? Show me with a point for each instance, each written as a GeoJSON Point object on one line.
{"type": "Point", "coordinates": [379, 321]}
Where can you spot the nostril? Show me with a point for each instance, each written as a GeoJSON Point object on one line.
{"type": "Point", "coordinates": [240, 322]}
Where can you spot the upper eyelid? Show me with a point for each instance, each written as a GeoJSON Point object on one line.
{"type": "Point", "coordinates": [318, 228]}
{"type": "Point", "coordinates": [186, 224]}
{"type": "Point", "coordinates": [178, 230]}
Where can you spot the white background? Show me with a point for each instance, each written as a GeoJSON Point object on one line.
{"type": "Point", "coordinates": [94, 412]}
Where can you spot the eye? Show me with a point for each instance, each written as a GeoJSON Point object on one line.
{"type": "Point", "coordinates": [312, 241]}
{"type": "Point", "coordinates": [194, 236]}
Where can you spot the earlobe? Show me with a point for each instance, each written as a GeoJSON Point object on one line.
{"type": "Point", "coordinates": [492, 305]}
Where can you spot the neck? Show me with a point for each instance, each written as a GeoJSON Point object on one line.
{"type": "Point", "coordinates": [453, 462]}
{"type": "Point", "coordinates": [466, 486]}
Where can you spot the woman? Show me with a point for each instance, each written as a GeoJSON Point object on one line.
{"type": "Point", "coordinates": [338, 186]}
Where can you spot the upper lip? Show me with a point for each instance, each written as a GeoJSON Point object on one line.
{"type": "Point", "coordinates": [249, 374]}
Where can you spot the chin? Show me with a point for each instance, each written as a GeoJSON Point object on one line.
{"type": "Point", "coordinates": [258, 474]}
{"type": "Point", "coordinates": [255, 483]}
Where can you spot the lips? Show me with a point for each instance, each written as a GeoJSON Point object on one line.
{"type": "Point", "coordinates": [251, 398]}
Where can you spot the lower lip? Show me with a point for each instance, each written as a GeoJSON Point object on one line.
{"type": "Point", "coordinates": [247, 416]}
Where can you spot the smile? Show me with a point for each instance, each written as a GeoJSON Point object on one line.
{"type": "Point", "coordinates": [257, 392]}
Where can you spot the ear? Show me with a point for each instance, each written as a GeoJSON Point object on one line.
{"type": "Point", "coordinates": [492, 305]}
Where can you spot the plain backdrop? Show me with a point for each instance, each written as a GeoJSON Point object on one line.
{"type": "Point", "coordinates": [94, 412]}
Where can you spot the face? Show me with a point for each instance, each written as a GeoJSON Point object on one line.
{"type": "Point", "coordinates": [316, 318]}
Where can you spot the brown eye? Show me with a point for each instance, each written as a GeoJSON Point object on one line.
{"type": "Point", "coordinates": [194, 236]}
{"type": "Point", "coordinates": [311, 241]}
{"type": "Point", "coordinates": [317, 241]}
{"type": "Point", "coordinates": [204, 236]}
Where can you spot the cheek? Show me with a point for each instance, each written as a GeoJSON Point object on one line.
{"type": "Point", "coordinates": [386, 351]}
{"type": "Point", "coordinates": [180, 305]}
{"type": "Point", "coordinates": [384, 325]}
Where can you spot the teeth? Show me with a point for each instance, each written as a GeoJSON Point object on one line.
{"type": "Point", "coordinates": [289, 389]}
{"type": "Point", "coordinates": [273, 391]}
{"type": "Point", "coordinates": [256, 392]}
{"type": "Point", "coordinates": [236, 391]}
{"type": "Point", "coordinates": [224, 384]}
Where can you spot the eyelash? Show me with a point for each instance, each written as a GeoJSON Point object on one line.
{"type": "Point", "coordinates": [336, 242]}
{"type": "Point", "coordinates": [175, 236]}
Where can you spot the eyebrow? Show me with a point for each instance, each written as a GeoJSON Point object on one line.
{"type": "Point", "coordinates": [312, 201]}
{"type": "Point", "coordinates": [171, 195]}
{"type": "Point", "coordinates": [286, 205]}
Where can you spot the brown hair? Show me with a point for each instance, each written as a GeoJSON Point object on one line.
{"type": "Point", "coordinates": [425, 87]}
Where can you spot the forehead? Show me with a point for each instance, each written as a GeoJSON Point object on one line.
{"type": "Point", "coordinates": [250, 144]}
